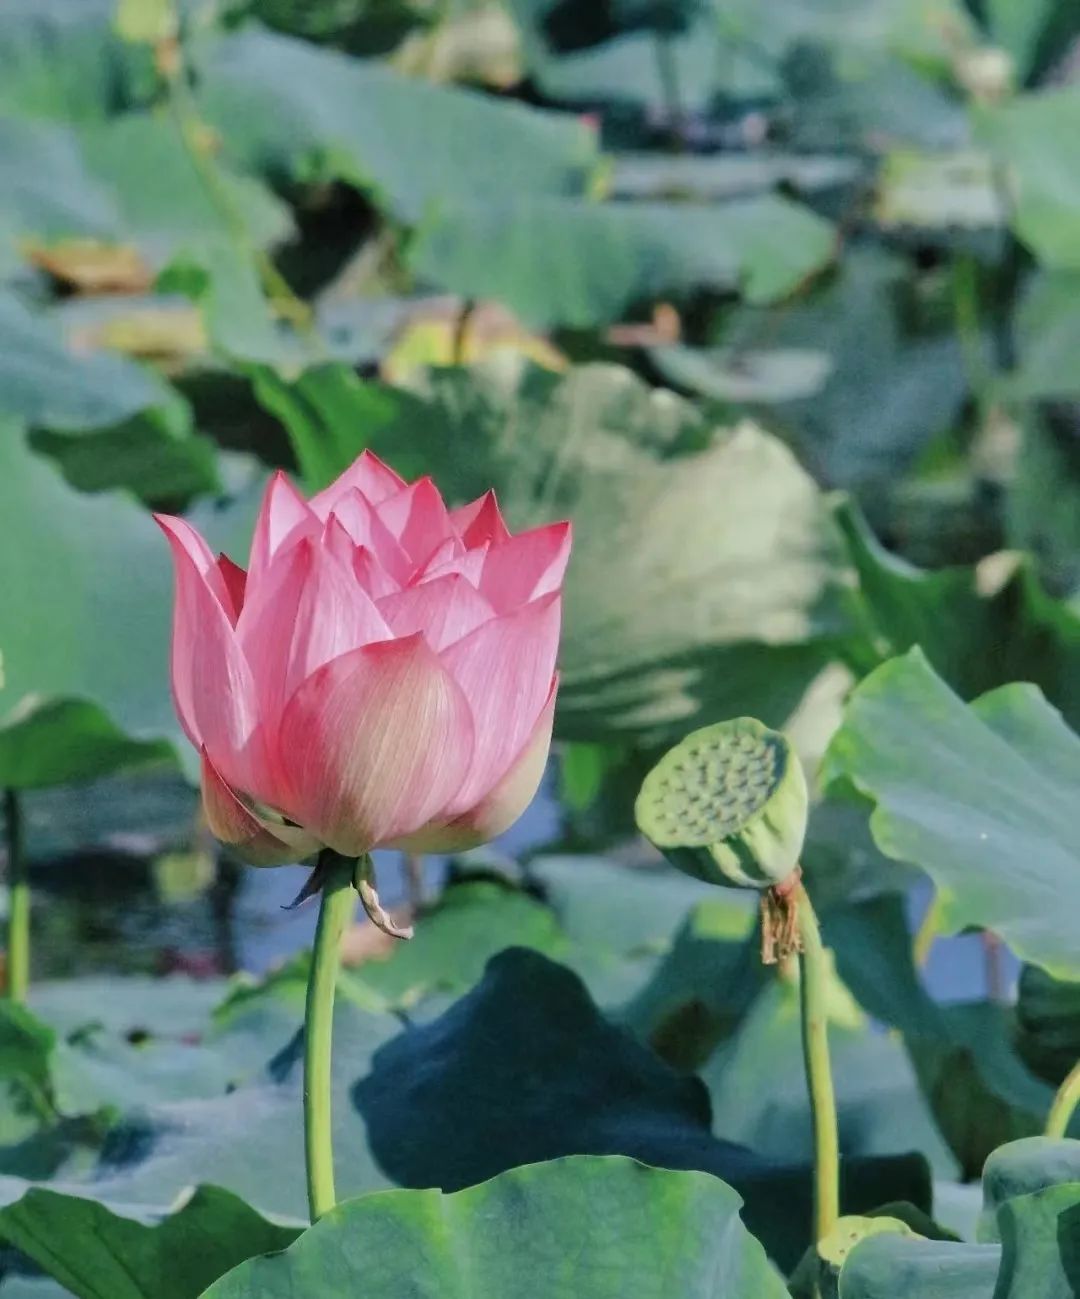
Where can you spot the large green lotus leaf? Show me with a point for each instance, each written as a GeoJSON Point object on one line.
{"type": "Point", "coordinates": [90, 182]}
{"type": "Point", "coordinates": [744, 375]}
{"type": "Point", "coordinates": [27, 1095]}
{"type": "Point", "coordinates": [63, 59]}
{"type": "Point", "coordinates": [568, 261]}
{"type": "Point", "coordinates": [922, 31]}
{"type": "Point", "coordinates": [758, 1086]}
{"type": "Point", "coordinates": [97, 1254]}
{"type": "Point", "coordinates": [1022, 1168]}
{"type": "Point", "coordinates": [1032, 138]}
{"type": "Point", "coordinates": [102, 1070]}
{"type": "Point", "coordinates": [1047, 336]}
{"type": "Point", "coordinates": [903, 1267]}
{"type": "Point", "coordinates": [872, 943]}
{"type": "Point", "coordinates": [904, 606]}
{"type": "Point", "coordinates": [1034, 32]}
{"type": "Point", "coordinates": [625, 71]}
{"type": "Point", "coordinates": [46, 189]}
{"type": "Point", "coordinates": [142, 1012]}
{"type": "Point", "coordinates": [625, 911]}
{"type": "Point", "coordinates": [1040, 1253]}
{"type": "Point", "coordinates": [982, 797]}
{"type": "Point", "coordinates": [132, 1006]}
{"type": "Point", "coordinates": [87, 605]}
{"type": "Point", "coordinates": [840, 860]}
{"type": "Point", "coordinates": [979, 1090]}
{"type": "Point", "coordinates": [1043, 507]}
{"type": "Point", "coordinates": [896, 375]}
{"type": "Point", "coordinates": [240, 321]}
{"type": "Point", "coordinates": [106, 420]}
{"type": "Point", "coordinates": [328, 412]}
{"type": "Point", "coordinates": [66, 1077]}
{"type": "Point", "coordinates": [744, 55]}
{"type": "Point", "coordinates": [45, 382]}
{"type": "Point", "coordinates": [737, 56]}
{"type": "Point", "coordinates": [177, 209]}
{"type": "Point", "coordinates": [472, 922]}
{"type": "Point", "coordinates": [1037, 1256]}
{"type": "Point", "coordinates": [525, 1069]}
{"type": "Point", "coordinates": [248, 1139]}
{"type": "Point", "coordinates": [713, 176]}
{"type": "Point", "coordinates": [55, 741]}
{"type": "Point", "coordinates": [704, 984]}
{"type": "Point", "coordinates": [1047, 1023]}
{"type": "Point", "coordinates": [955, 615]}
{"type": "Point", "coordinates": [155, 1043]}
{"type": "Point", "coordinates": [594, 1228]}
{"type": "Point", "coordinates": [868, 100]}
{"type": "Point", "coordinates": [500, 1059]}
{"type": "Point", "coordinates": [741, 600]}
{"type": "Point", "coordinates": [154, 454]}
{"type": "Point", "coordinates": [290, 110]}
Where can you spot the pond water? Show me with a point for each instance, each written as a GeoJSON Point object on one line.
{"type": "Point", "coordinates": [116, 891]}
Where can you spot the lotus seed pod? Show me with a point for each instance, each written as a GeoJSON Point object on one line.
{"type": "Point", "coordinates": [728, 804]}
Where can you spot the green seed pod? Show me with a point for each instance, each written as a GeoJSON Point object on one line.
{"type": "Point", "coordinates": [728, 804]}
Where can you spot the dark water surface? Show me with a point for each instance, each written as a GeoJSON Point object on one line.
{"type": "Point", "coordinates": [117, 889]}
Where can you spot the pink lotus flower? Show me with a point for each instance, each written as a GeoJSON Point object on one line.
{"type": "Point", "coordinates": [382, 675]}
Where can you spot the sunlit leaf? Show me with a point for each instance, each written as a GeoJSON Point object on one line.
{"type": "Point", "coordinates": [1032, 138]}
{"type": "Point", "coordinates": [571, 262]}
{"type": "Point", "coordinates": [97, 1254]}
{"type": "Point", "coordinates": [529, 1233]}
{"type": "Point", "coordinates": [286, 108]}
{"type": "Point", "coordinates": [979, 796]}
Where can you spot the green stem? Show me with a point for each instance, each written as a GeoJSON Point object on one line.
{"type": "Point", "coordinates": [813, 987]}
{"type": "Point", "coordinates": [18, 929]}
{"type": "Point", "coordinates": [336, 909]}
{"type": "Point", "coordinates": [1065, 1102]}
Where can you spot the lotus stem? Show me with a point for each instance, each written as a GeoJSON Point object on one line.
{"type": "Point", "coordinates": [18, 926]}
{"type": "Point", "coordinates": [813, 988]}
{"type": "Point", "coordinates": [1064, 1105]}
{"type": "Point", "coordinates": [336, 908]}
